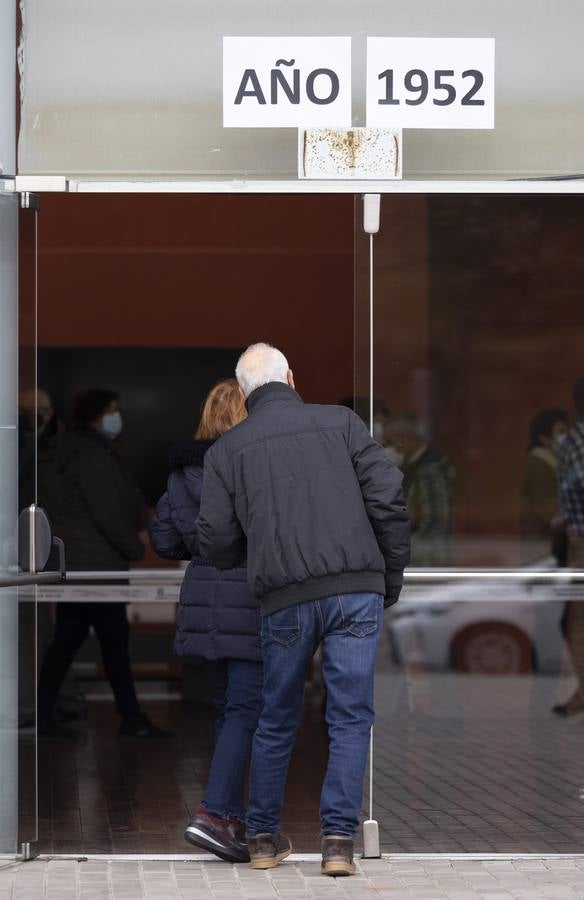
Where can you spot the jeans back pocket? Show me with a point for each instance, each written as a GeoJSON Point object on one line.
{"type": "Point", "coordinates": [284, 625]}
{"type": "Point", "coordinates": [360, 613]}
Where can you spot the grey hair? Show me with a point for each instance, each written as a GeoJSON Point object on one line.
{"type": "Point", "coordinates": [260, 364]}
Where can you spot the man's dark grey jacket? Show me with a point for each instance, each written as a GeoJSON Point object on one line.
{"type": "Point", "coordinates": [309, 498]}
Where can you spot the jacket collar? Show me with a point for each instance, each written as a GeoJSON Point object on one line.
{"type": "Point", "coordinates": [273, 390]}
{"type": "Point", "coordinates": [93, 434]}
{"type": "Point", "coordinates": [545, 455]}
{"type": "Point", "coordinates": [188, 453]}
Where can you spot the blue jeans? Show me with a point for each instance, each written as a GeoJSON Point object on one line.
{"type": "Point", "coordinates": [348, 627]}
{"type": "Point", "coordinates": [236, 694]}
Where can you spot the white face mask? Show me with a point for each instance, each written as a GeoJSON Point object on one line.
{"type": "Point", "coordinates": [395, 456]}
{"type": "Point", "coordinates": [559, 440]}
{"type": "Point", "coordinates": [378, 431]}
{"type": "Point", "coordinates": [111, 424]}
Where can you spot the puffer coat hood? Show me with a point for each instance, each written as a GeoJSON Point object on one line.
{"type": "Point", "coordinates": [218, 618]}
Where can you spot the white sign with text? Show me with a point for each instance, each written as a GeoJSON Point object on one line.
{"type": "Point", "coordinates": [286, 82]}
{"type": "Point", "coordinates": [430, 82]}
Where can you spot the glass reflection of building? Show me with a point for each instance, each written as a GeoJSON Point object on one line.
{"type": "Point", "coordinates": [476, 281]}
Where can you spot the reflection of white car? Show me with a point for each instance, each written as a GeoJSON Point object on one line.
{"type": "Point", "coordinates": [489, 627]}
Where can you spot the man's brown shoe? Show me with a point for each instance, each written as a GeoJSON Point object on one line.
{"type": "Point", "coordinates": [337, 855]}
{"type": "Point", "coordinates": [266, 851]}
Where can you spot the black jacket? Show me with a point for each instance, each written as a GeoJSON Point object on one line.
{"type": "Point", "coordinates": [315, 498]}
{"type": "Point", "coordinates": [218, 617]}
{"type": "Point", "coordinates": [94, 503]}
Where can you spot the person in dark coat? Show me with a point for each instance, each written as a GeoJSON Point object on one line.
{"type": "Point", "coordinates": [429, 480]}
{"type": "Point", "coordinates": [40, 427]}
{"type": "Point", "coordinates": [542, 531]}
{"type": "Point", "coordinates": [316, 506]}
{"type": "Point", "coordinates": [98, 511]}
{"type": "Point", "coordinates": [218, 619]}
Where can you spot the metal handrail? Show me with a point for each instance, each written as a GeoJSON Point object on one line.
{"type": "Point", "coordinates": [411, 576]}
{"type": "Point", "coordinates": [39, 578]}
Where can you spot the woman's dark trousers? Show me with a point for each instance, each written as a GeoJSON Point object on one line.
{"type": "Point", "coordinates": [236, 694]}
{"type": "Point", "coordinates": [72, 623]}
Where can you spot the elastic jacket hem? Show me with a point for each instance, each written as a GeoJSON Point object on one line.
{"type": "Point", "coordinates": [326, 586]}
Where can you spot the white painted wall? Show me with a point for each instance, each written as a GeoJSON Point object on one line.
{"type": "Point", "coordinates": [7, 86]}
{"type": "Point", "coordinates": [133, 86]}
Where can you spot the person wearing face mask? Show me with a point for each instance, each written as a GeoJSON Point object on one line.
{"type": "Point", "coordinates": [37, 424]}
{"type": "Point", "coordinates": [35, 475]}
{"type": "Point", "coordinates": [381, 416]}
{"type": "Point", "coordinates": [571, 482]}
{"type": "Point", "coordinates": [429, 479]}
{"type": "Point", "coordinates": [99, 512]}
{"type": "Point", "coordinates": [542, 531]}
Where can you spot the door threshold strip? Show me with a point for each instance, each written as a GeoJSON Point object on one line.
{"type": "Point", "coordinates": [308, 857]}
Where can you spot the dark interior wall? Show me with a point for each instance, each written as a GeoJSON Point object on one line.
{"type": "Point", "coordinates": [203, 271]}
{"type": "Point", "coordinates": [156, 412]}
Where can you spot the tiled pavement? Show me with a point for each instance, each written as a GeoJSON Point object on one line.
{"type": "Point", "coordinates": [395, 879]}
{"type": "Point", "coordinates": [477, 765]}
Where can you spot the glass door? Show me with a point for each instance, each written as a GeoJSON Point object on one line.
{"type": "Point", "coordinates": [9, 452]}
{"type": "Point", "coordinates": [472, 369]}
{"type": "Point", "coordinates": [25, 539]}
{"type": "Point", "coordinates": [29, 416]}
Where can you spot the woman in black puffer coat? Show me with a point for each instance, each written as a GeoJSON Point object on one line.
{"type": "Point", "coordinates": [218, 619]}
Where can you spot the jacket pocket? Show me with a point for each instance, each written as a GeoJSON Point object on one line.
{"type": "Point", "coordinates": [360, 613]}
{"type": "Point", "coordinates": [284, 625]}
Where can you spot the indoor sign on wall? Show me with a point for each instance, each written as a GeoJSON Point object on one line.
{"type": "Point", "coordinates": [305, 83]}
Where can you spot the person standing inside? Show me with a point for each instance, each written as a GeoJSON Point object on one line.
{"type": "Point", "coordinates": [39, 425]}
{"type": "Point", "coordinates": [318, 508]}
{"type": "Point", "coordinates": [571, 481]}
{"type": "Point", "coordinates": [218, 619]}
{"type": "Point", "coordinates": [542, 530]}
{"type": "Point", "coordinates": [429, 479]}
{"type": "Point", "coordinates": [98, 511]}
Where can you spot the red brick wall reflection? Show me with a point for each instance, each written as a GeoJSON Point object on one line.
{"type": "Point", "coordinates": [480, 319]}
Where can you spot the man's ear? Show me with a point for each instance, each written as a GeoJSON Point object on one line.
{"type": "Point", "coordinates": [290, 378]}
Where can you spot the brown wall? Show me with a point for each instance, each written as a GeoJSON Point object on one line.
{"type": "Point", "coordinates": [203, 271]}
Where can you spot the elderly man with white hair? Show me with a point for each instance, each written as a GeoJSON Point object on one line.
{"type": "Point", "coordinates": [311, 501]}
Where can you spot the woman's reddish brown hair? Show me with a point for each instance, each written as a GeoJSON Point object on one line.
{"type": "Point", "coordinates": [223, 408]}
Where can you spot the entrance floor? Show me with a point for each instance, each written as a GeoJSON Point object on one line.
{"type": "Point", "coordinates": [398, 879]}
{"type": "Point", "coordinates": [463, 763]}
{"type": "Point", "coordinates": [103, 795]}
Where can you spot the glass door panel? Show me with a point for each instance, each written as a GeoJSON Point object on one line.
{"type": "Point", "coordinates": [8, 516]}
{"type": "Point", "coordinates": [18, 443]}
{"type": "Point", "coordinates": [476, 354]}
{"type": "Point", "coordinates": [29, 415]}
